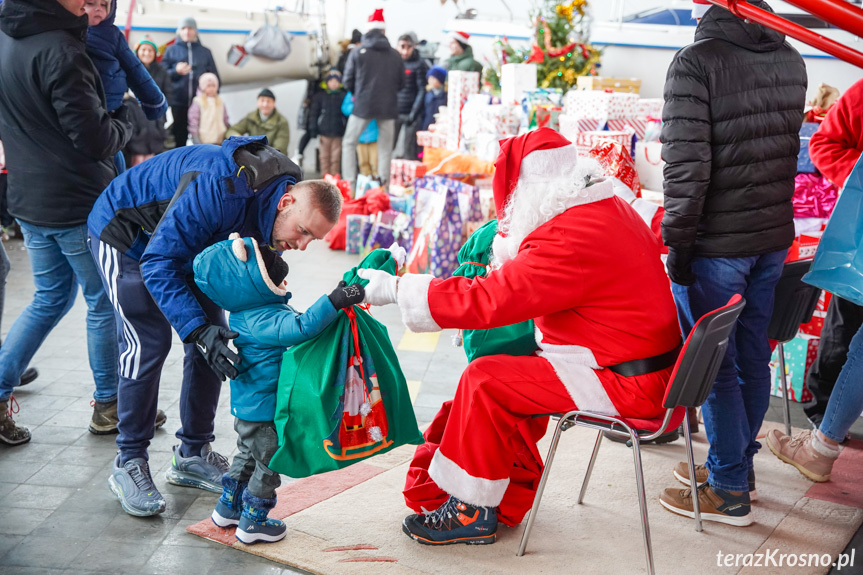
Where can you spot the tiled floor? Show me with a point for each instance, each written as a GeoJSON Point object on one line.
{"type": "Point", "coordinates": [58, 515]}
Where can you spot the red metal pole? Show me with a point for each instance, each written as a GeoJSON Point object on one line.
{"type": "Point", "coordinates": [837, 12]}
{"type": "Point", "coordinates": [749, 12]}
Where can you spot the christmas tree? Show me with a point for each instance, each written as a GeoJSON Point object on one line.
{"type": "Point", "coordinates": [559, 47]}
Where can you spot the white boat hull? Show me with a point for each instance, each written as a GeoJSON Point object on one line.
{"type": "Point", "coordinates": [219, 29]}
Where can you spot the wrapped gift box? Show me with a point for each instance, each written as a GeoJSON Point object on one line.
{"type": "Point", "coordinates": [431, 139]}
{"type": "Point", "coordinates": [803, 247]}
{"type": "Point", "coordinates": [800, 352]}
{"type": "Point", "coordinates": [548, 117]}
{"type": "Point", "coordinates": [501, 119]}
{"type": "Point", "coordinates": [354, 233]}
{"type": "Point", "coordinates": [515, 79]}
{"type": "Point", "coordinates": [650, 107]}
{"type": "Point", "coordinates": [600, 105]}
{"type": "Point", "coordinates": [586, 140]}
{"type": "Point", "coordinates": [404, 172]}
{"type": "Point", "coordinates": [571, 125]}
{"type": "Point", "coordinates": [630, 85]}
{"type": "Point", "coordinates": [816, 324]}
{"type": "Point", "coordinates": [460, 85]}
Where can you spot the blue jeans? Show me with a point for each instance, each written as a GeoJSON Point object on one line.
{"type": "Point", "coordinates": [846, 399]}
{"type": "Point", "coordinates": [5, 266]}
{"type": "Point", "coordinates": [735, 409]}
{"type": "Point", "coordinates": [61, 261]}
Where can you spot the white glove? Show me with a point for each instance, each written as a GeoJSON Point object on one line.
{"type": "Point", "coordinates": [399, 254]}
{"type": "Point", "coordinates": [382, 287]}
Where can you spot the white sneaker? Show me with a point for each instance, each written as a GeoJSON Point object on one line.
{"type": "Point", "coordinates": [297, 159]}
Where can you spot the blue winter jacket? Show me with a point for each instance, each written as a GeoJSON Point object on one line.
{"type": "Point", "coordinates": [168, 209]}
{"type": "Point", "coordinates": [183, 88]}
{"type": "Point", "coordinates": [370, 134]}
{"type": "Point", "coordinates": [261, 315]}
{"type": "Point", "coordinates": [121, 70]}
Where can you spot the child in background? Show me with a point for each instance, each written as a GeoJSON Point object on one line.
{"type": "Point", "coordinates": [367, 149]}
{"type": "Point", "coordinates": [435, 95]}
{"type": "Point", "coordinates": [327, 121]}
{"type": "Point", "coordinates": [250, 283]}
{"type": "Point", "coordinates": [119, 67]}
{"type": "Point", "coordinates": [208, 116]}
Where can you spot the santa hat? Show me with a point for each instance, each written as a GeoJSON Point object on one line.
{"type": "Point", "coordinates": [376, 20]}
{"type": "Point", "coordinates": [462, 38]}
{"type": "Point", "coordinates": [542, 155]}
{"type": "Point", "coordinates": [700, 8]}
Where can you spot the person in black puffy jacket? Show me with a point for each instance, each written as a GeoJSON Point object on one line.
{"type": "Point", "coordinates": [374, 73]}
{"type": "Point", "coordinates": [59, 142]}
{"type": "Point", "coordinates": [733, 108]}
{"type": "Point", "coordinates": [186, 60]}
{"type": "Point", "coordinates": [410, 98]}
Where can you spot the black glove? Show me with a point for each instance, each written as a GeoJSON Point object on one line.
{"type": "Point", "coordinates": [347, 295]}
{"type": "Point", "coordinates": [124, 116]}
{"type": "Point", "coordinates": [679, 264]}
{"type": "Point", "coordinates": [412, 119]}
{"type": "Point", "coordinates": [212, 342]}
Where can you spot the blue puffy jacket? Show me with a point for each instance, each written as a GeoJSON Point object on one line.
{"type": "Point", "coordinates": [370, 134]}
{"type": "Point", "coordinates": [261, 315]}
{"type": "Point", "coordinates": [183, 88]}
{"type": "Point", "coordinates": [121, 70]}
{"type": "Point", "coordinates": [168, 209]}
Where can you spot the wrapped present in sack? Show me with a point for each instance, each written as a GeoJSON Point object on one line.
{"type": "Point", "coordinates": [388, 227]}
{"type": "Point", "coordinates": [616, 162]}
{"type": "Point", "coordinates": [838, 264]}
{"type": "Point", "coordinates": [814, 196]}
{"type": "Point", "coordinates": [516, 339]}
{"type": "Point", "coordinates": [372, 203]}
{"type": "Point", "coordinates": [342, 396]}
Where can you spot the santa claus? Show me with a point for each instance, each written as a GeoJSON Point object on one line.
{"type": "Point", "coordinates": [580, 262]}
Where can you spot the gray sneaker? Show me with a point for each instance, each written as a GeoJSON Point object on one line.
{"type": "Point", "coordinates": [134, 487]}
{"type": "Point", "coordinates": [202, 471]}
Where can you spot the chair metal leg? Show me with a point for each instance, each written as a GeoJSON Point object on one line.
{"type": "Point", "coordinates": [780, 349]}
{"type": "Point", "coordinates": [696, 505]}
{"type": "Point", "coordinates": [642, 501]}
{"type": "Point", "coordinates": [590, 467]}
{"type": "Point", "coordinates": [542, 480]}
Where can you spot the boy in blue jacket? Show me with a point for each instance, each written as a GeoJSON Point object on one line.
{"type": "Point", "coordinates": [119, 67]}
{"type": "Point", "coordinates": [249, 282]}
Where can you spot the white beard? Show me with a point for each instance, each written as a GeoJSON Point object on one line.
{"type": "Point", "coordinates": [532, 204]}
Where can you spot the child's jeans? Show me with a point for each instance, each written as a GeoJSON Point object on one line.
{"type": "Point", "coordinates": [257, 443]}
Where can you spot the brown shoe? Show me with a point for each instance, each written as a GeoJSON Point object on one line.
{"type": "Point", "coordinates": [799, 451]}
{"type": "Point", "coordinates": [681, 473]}
{"type": "Point", "coordinates": [105, 418]}
{"type": "Point", "coordinates": [10, 432]}
{"type": "Point", "coordinates": [729, 507]}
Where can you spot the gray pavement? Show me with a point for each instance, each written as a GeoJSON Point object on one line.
{"type": "Point", "coordinates": [58, 515]}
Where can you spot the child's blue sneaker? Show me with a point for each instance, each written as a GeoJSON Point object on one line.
{"type": "Point", "coordinates": [453, 522]}
{"type": "Point", "coordinates": [229, 508]}
{"type": "Point", "coordinates": [255, 526]}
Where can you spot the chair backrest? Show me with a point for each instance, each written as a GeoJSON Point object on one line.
{"type": "Point", "coordinates": [793, 302]}
{"type": "Point", "coordinates": [701, 356]}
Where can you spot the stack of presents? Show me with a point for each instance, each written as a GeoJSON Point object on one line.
{"type": "Point", "coordinates": [431, 214]}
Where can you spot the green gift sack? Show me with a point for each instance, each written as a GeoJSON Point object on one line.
{"type": "Point", "coordinates": [515, 339]}
{"type": "Point", "coordinates": [342, 396]}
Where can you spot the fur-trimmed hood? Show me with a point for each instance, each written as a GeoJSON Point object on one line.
{"type": "Point", "coordinates": [232, 273]}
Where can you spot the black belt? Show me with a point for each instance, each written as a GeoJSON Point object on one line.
{"type": "Point", "coordinates": [646, 365]}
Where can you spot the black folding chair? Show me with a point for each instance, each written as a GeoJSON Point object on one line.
{"type": "Point", "coordinates": [689, 386]}
{"type": "Point", "coordinates": [794, 302]}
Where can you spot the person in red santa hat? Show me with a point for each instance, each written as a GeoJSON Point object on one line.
{"type": "Point", "coordinates": [581, 262]}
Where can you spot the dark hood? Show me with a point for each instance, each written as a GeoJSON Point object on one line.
{"type": "Point", "coordinates": [375, 40]}
{"type": "Point", "coordinates": [721, 24]}
{"type": "Point", "coordinates": [108, 22]}
{"type": "Point", "coordinates": [23, 18]}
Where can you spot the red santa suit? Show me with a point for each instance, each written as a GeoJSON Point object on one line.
{"type": "Point", "coordinates": [590, 276]}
